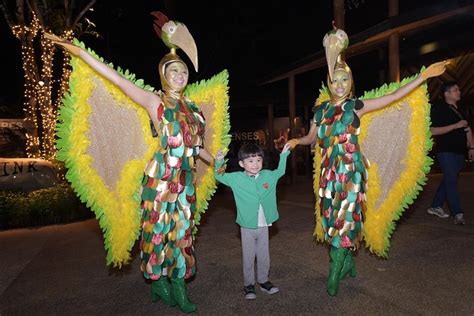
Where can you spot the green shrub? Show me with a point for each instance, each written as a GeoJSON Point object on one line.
{"type": "Point", "coordinates": [53, 205]}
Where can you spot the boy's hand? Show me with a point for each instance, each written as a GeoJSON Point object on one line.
{"type": "Point", "coordinates": [286, 148]}
{"type": "Point", "coordinates": [219, 155]}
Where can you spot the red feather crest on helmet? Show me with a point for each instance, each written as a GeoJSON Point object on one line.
{"type": "Point", "coordinates": [160, 20]}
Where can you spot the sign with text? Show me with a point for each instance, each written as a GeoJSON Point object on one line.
{"type": "Point", "coordinates": [26, 174]}
{"type": "Point", "coordinates": [13, 137]}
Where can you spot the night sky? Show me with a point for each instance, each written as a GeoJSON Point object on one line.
{"type": "Point", "coordinates": [249, 38]}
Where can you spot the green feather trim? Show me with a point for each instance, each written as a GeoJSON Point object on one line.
{"type": "Point", "coordinates": [211, 93]}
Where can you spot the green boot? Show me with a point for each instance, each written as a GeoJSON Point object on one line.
{"type": "Point", "coordinates": [337, 256]}
{"type": "Point", "coordinates": [178, 293]}
{"type": "Point", "coordinates": [348, 267]}
{"type": "Point", "coordinates": [161, 289]}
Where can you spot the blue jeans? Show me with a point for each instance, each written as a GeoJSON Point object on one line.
{"type": "Point", "coordinates": [451, 164]}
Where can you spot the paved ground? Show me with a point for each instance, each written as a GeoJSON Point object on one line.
{"type": "Point", "coordinates": [60, 270]}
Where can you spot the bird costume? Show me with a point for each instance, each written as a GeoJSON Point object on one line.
{"type": "Point", "coordinates": [137, 182]}
{"type": "Point", "coordinates": [397, 167]}
{"type": "Point", "coordinates": [367, 170]}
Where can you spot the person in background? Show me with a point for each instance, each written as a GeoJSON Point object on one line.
{"type": "Point", "coordinates": [452, 134]}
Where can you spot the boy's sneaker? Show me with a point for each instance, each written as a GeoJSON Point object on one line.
{"type": "Point", "coordinates": [459, 219]}
{"type": "Point", "coordinates": [438, 211]}
{"type": "Point", "coordinates": [250, 292]}
{"type": "Point", "coordinates": [269, 288]}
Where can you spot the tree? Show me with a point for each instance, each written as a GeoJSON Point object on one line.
{"type": "Point", "coordinates": [46, 80]}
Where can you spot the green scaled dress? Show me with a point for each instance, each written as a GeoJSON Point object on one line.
{"type": "Point", "coordinates": [169, 196]}
{"type": "Point", "coordinates": [343, 177]}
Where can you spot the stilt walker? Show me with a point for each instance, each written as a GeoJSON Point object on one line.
{"type": "Point", "coordinates": [143, 181]}
{"type": "Point", "coordinates": [394, 139]}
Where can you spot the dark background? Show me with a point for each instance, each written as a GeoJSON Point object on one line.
{"type": "Point", "coordinates": [249, 38]}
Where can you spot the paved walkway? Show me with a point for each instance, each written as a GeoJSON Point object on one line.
{"type": "Point", "coordinates": [60, 270]}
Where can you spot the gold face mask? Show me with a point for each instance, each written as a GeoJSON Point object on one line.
{"type": "Point", "coordinates": [342, 85]}
{"type": "Point", "coordinates": [169, 86]}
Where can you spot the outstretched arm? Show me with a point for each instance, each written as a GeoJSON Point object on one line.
{"type": "Point", "coordinates": [147, 99]}
{"type": "Point", "coordinates": [280, 171]}
{"type": "Point", "coordinates": [433, 70]}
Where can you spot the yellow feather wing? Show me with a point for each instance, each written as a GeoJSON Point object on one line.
{"type": "Point", "coordinates": [104, 138]}
{"type": "Point", "coordinates": [212, 98]}
{"type": "Point", "coordinates": [396, 140]}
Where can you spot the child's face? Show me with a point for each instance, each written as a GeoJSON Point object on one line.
{"type": "Point", "coordinates": [252, 165]}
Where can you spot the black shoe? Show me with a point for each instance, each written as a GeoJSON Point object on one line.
{"type": "Point", "coordinates": [269, 288]}
{"type": "Point", "coordinates": [250, 292]}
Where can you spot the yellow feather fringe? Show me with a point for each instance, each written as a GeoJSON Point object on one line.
{"type": "Point", "coordinates": [212, 92]}
{"type": "Point", "coordinates": [118, 211]}
{"type": "Point", "coordinates": [379, 225]}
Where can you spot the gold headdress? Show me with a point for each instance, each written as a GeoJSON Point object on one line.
{"type": "Point", "coordinates": [335, 42]}
{"type": "Point", "coordinates": [174, 35]}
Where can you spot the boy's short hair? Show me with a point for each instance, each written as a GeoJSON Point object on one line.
{"type": "Point", "coordinates": [447, 85]}
{"type": "Point", "coordinates": [250, 150]}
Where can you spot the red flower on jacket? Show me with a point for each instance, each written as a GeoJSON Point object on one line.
{"type": "Point", "coordinates": [265, 185]}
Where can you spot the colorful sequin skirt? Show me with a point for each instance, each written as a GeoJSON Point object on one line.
{"type": "Point", "coordinates": [342, 203]}
{"type": "Point", "coordinates": [168, 205]}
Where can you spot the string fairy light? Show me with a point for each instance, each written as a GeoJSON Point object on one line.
{"type": "Point", "coordinates": [39, 108]}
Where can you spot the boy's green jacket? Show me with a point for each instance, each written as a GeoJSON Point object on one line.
{"type": "Point", "coordinates": [250, 192]}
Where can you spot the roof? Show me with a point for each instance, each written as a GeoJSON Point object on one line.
{"type": "Point", "coordinates": [406, 24]}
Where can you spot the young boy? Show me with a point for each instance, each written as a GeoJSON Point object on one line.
{"type": "Point", "coordinates": [255, 195]}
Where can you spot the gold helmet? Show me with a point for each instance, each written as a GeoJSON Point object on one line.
{"type": "Point", "coordinates": [169, 58]}
{"type": "Point", "coordinates": [349, 92]}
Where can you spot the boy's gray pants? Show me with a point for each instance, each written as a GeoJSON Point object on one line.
{"type": "Point", "coordinates": [255, 244]}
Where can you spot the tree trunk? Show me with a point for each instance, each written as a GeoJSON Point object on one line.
{"type": "Point", "coordinates": [30, 68]}
{"type": "Point", "coordinates": [42, 96]}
